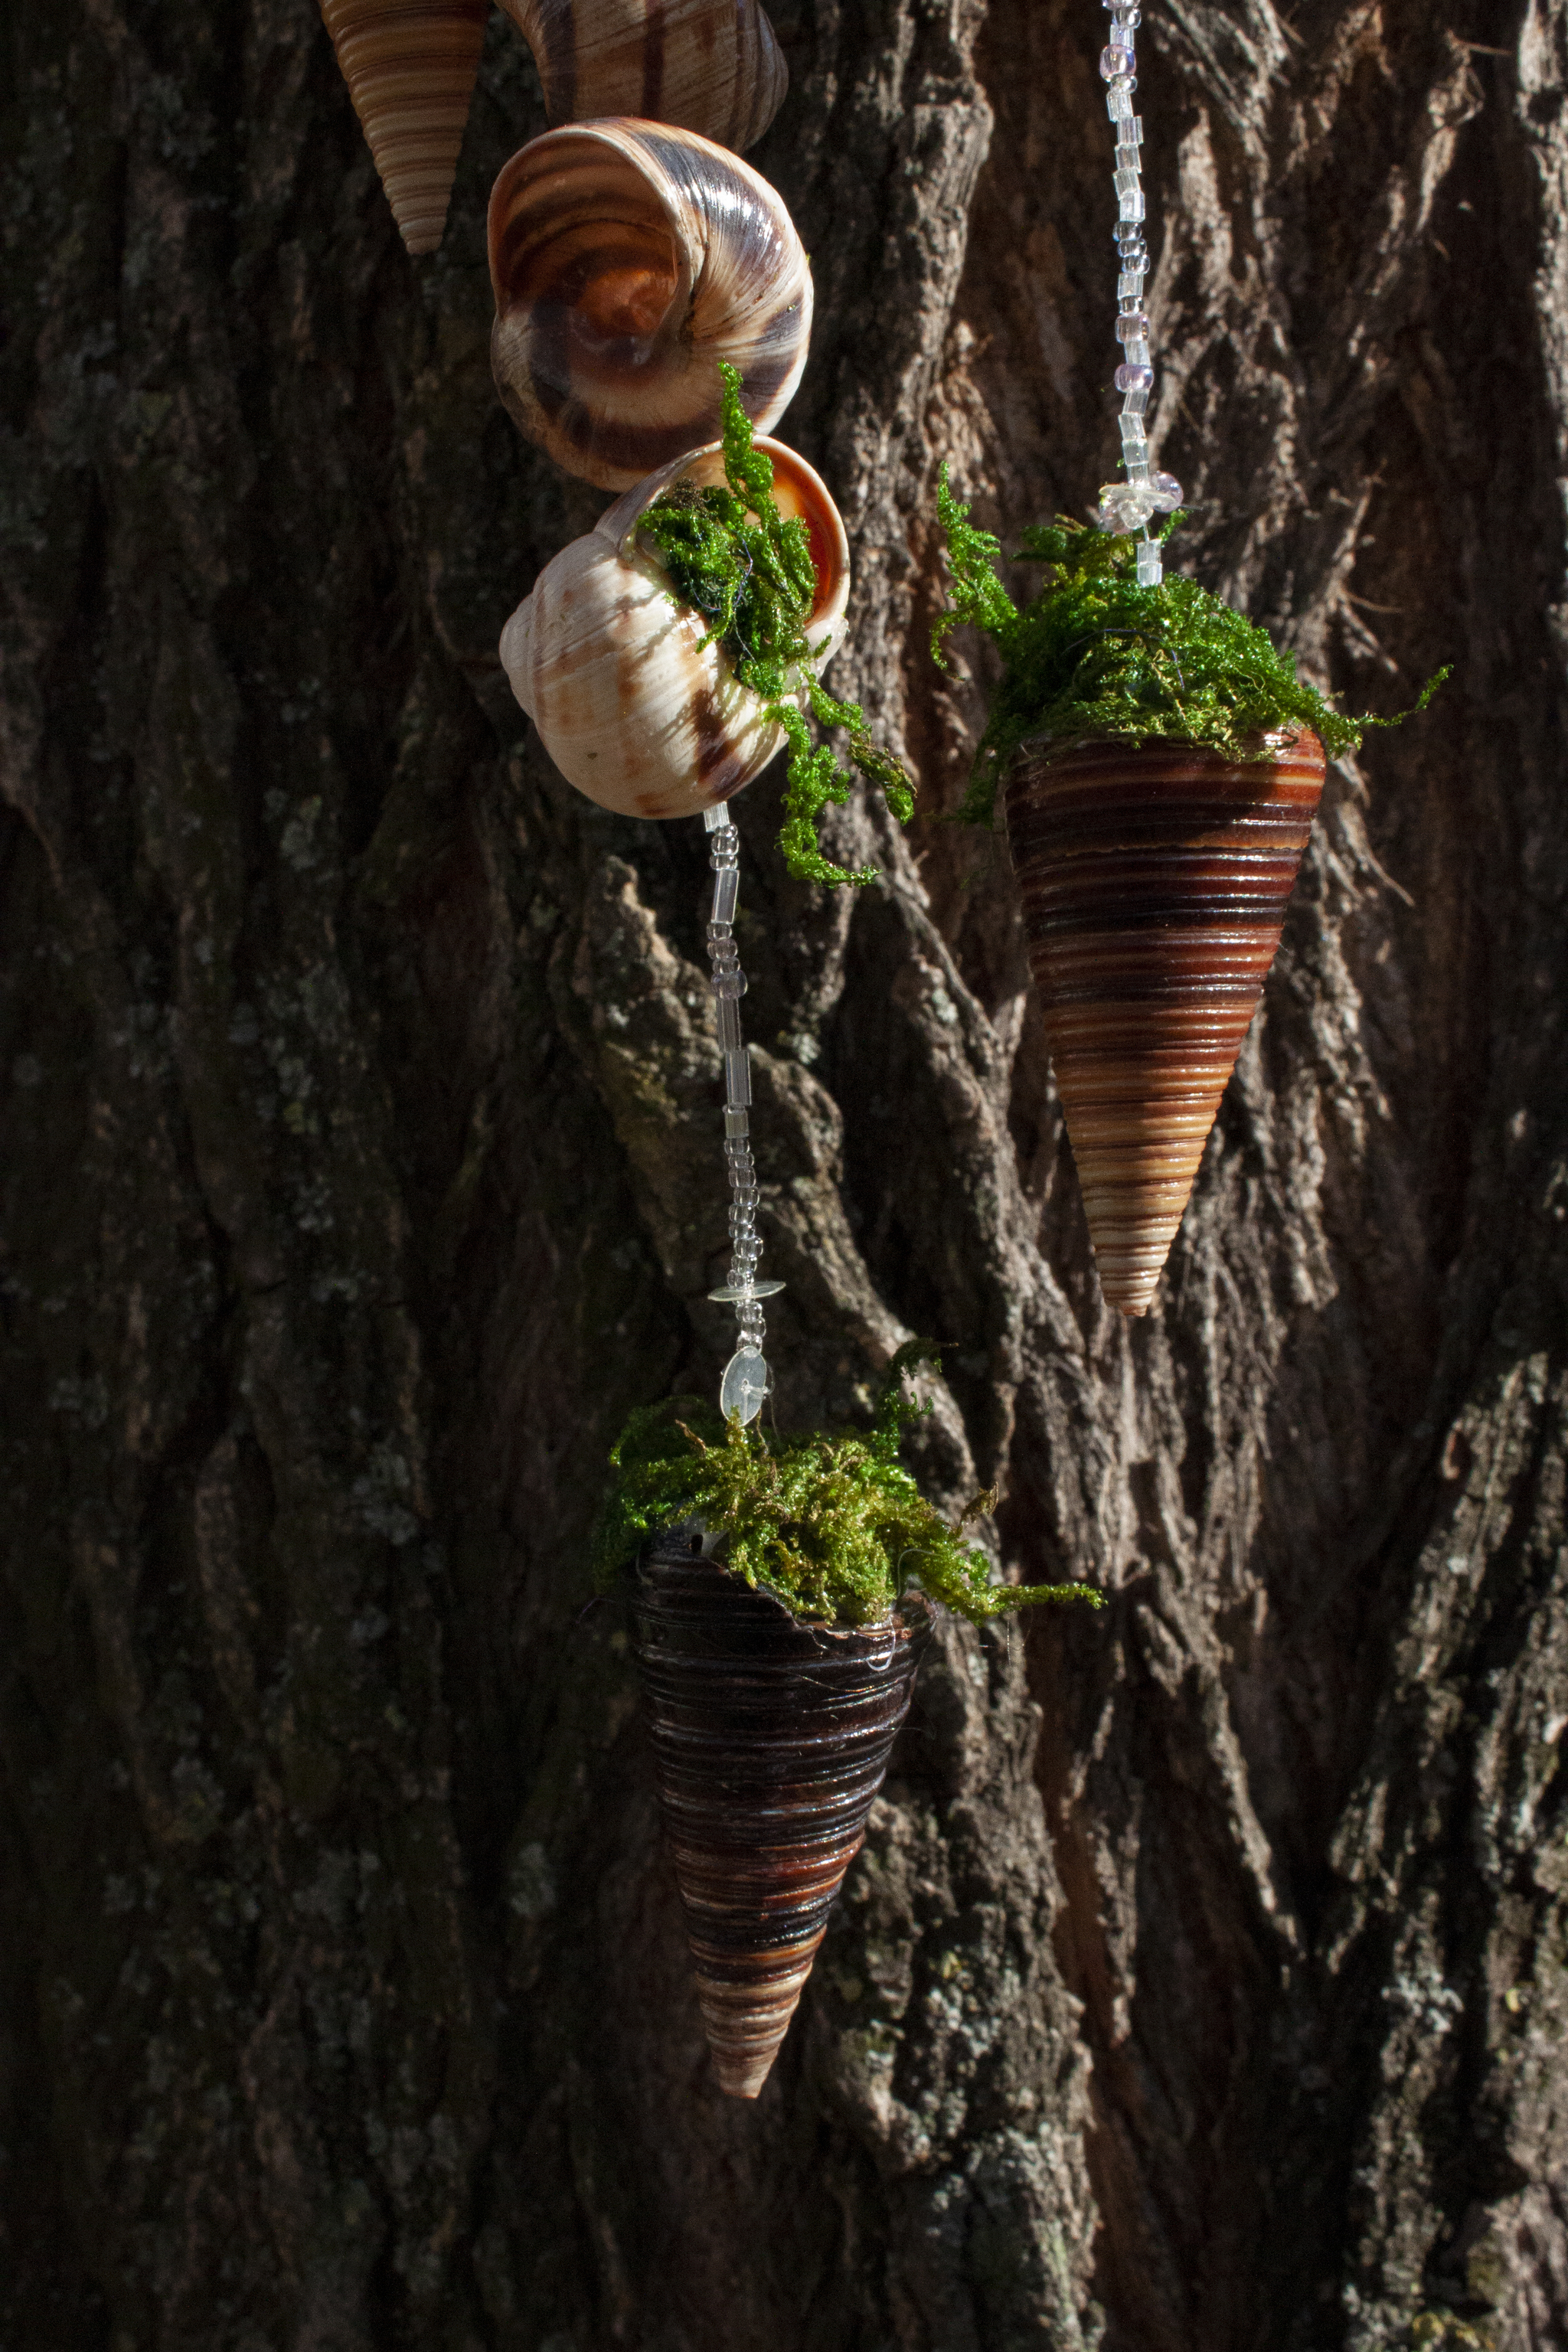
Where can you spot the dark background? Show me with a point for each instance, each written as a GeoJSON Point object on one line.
{"type": "Point", "coordinates": [1201, 1989]}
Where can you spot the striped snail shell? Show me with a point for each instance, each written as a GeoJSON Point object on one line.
{"type": "Point", "coordinates": [628, 261]}
{"type": "Point", "coordinates": [410, 67]}
{"type": "Point", "coordinates": [770, 1738]}
{"type": "Point", "coordinates": [1154, 880]}
{"type": "Point", "coordinates": [711, 65]}
{"type": "Point", "coordinates": [605, 661]}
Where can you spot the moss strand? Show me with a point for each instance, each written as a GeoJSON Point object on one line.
{"type": "Point", "coordinates": [733, 558]}
{"type": "Point", "coordinates": [1095, 655]}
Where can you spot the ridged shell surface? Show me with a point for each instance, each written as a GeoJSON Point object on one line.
{"type": "Point", "coordinates": [410, 67]}
{"type": "Point", "coordinates": [1155, 880]}
{"type": "Point", "coordinates": [711, 65]}
{"type": "Point", "coordinates": [609, 668]}
{"type": "Point", "coordinates": [769, 1739]}
{"type": "Point", "coordinates": [627, 261]}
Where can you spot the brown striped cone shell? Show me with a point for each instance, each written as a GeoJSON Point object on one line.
{"type": "Point", "coordinates": [711, 65]}
{"type": "Point", "coordinates": [1154, 880]}
{"type": "Point", "coordinates": [627, 261]}
{"type": "Point", "coordinates": [410, 67]}
{"type": "Point", "coordinates": [770, 1740]}
{"type": "Point", "coordinates": [611, 669]}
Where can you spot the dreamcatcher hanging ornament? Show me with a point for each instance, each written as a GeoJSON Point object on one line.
{"type": "Point", "coordinates": [1159, 765]}
{"type": "Point", "coordinates": [653, 307]}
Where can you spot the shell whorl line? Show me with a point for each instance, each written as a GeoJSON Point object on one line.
{"type": "Point", "coordinates": [770, 1738]}
{"type": "Point", "coordinates": [410, 67]}
{"type": "Point", "coordinates": [607, 664]}
{"type": "Point", "coordinates": [1154, 880]}
{"type": "Point", "coordinates": [627, 261]}
{"type": "Point", "coordinates": [710, 65]}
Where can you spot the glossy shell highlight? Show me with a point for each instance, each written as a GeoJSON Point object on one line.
{"type": "Point", "coordinates": [1155, 880]}
{"type": "Point", "coordinates": [627, 261]}
{"type": "Point", "coordinates": [410, 67]}
{"type": "Point", "coordinates": [606, 663]}
{"type": "Point", "coordinates": [711, 65]}
{"type": "Point", "coordinates": [769, 1739]}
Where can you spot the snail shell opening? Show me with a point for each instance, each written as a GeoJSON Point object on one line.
{"type": "Point", "coordinates": [627, 261]}
{"type": "Point", "coordinates": [631, 706]}
{"type": "Point", "coordinates": [711, 65]}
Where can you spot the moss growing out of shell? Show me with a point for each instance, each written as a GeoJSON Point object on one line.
{"type": "Point", "coordinates": [733, 558]}
{"type": "Point", "coordinates": [1094, 657]}
{"type": "Point", "coordinates": [833, 1523]}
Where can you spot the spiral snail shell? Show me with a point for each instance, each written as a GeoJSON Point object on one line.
{"type": "Point", "coordinates": [770, 1741]}
{"type": "Point", "coordinates": [410, 67]}
{"type": "Point", "coordinates": [607, 664]}
{"type": "Point", "coordinates": [627, 261]}
{"type": "Point", "coordinates": [711, 65]}
{"type": "Point", "coordinates": [1154, 878]}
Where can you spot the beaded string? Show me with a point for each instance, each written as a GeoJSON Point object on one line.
{"type": "Point", "coordinates": [1125, 507]}
{"type": "Point", "coordinates": [747, 1379]}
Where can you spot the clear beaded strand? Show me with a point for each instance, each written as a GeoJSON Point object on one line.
{"type": "Point", "coordinates": [1125, 507]}
{"type": "Point", "coordinates": [746, 1379]}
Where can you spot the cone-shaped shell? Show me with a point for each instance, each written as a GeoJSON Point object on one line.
{"type": "Point", "coordinates": [711, 65]}
{"type": "Point", "coordinates": [410, 67]}
{"type": "Point", "coordinates": [611, 669]}
{"type": "Point", "coordinates": [627, 261]}
{"type": "Point", "coordinates": [770, 1740]}
{"type": "Point", "coordinates": [1154, 880]}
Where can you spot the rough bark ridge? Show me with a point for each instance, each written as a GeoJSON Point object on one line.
{"type": "Point", "coordinates": [1201, 1986]}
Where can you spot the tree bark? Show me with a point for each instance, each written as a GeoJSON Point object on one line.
{"type": "Point", "coordinates": [1201, 1988]}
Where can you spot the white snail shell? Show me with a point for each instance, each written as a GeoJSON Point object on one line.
{"type": "Point", "coordinates": [410, 68]}
{"type": "Point", "coordinates": [627, 261]}
{"type": "Point", "coordinates": [606, 663]}
{"type": "Point", "coordinates": [711, 65]}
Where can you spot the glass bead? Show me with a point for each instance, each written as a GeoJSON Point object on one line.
{"type": "Point", "coordinates": [738, 1078]}
{"type": "Point", "coordinates": [1127, 157]}
{"type": "Point", "coordinates": [1114, 65]}
{"type": "Point", "coordinates": [1134, 379]}
{"type": "Point", "coordinates": [745, 1383]}
{"type": "Point", "coordinates": [726, 891]}
{"type": "Point", "coordinates": [1124, 182]}
{"type": "Point", "coordinates": [1119, 100]}
{"type": "Point", "coordinates": [1135, 402]}
{"type": "Point", "coordinates": [1130, 286]}
{"type": "Point", "coordinates": [1135, 351]}
{"type": "Point", "coordinates": [1133, 128]}
{"type": "Point", "coordinates": [1151, 571]}
{"type": "Point", "coordinates": [1168, 493]}
{"type": "Point", "coordinates": [1132, 326]}
{"type": "Point", "coordinates": [736, 1120]}
{"type": "Point", "coordinates": [729, 1023]}
{"type": "Point", "coordinates": [1130, 206]}
{"type": "Point", "coordinates": [719, 814]}
{"type": "Point", "coordinates": [1123, 507]}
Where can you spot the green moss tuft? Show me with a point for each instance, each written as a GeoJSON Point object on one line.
{"type": "Point", "coordinates": [733, 558]}
{"type": "Point", "coordinates": [834, 1524]}
{"type": "Point", "coordinates": [1097, 657]}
